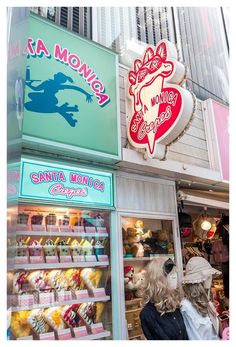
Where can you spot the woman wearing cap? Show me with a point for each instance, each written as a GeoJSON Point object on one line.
{"type": "Point", "coordinates": [161, 318]}
{"type": "Point", "coordinates": [198, 312]}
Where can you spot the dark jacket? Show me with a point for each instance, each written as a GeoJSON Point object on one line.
{"type": "Point", "coordinates": [169, 326]}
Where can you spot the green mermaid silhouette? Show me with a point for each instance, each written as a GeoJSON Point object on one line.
{"type": "Point", "coordinates": [43, 100]}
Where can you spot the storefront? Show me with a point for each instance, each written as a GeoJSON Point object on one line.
{"type": "Point", "coordinates": [158, 154]}
{"type": "Point", "coordinates": [62, 275]}
{"type": "Point", "coordinates": [61, 198]}
{"type": "Point", "coordinates": [87, 217]}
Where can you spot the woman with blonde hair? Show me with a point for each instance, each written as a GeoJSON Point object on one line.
{"type": "Point", "coordinates": [198, 311]}
{"type": "Point", "coordinates": [160, 317]}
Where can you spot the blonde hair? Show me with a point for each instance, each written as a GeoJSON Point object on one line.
{"type": "Point", "coordinates": [155, 288]}
{"type": "Point", "coordinates": [196, 294]}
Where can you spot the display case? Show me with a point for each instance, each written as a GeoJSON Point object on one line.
{"type": "Point", "coordinates": [60, 278]}
{"type": "Point", "coordinates": [143, 239]}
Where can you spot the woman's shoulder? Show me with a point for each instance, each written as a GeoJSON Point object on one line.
{"type": "Point", "coordinates": [186, 305]}
{"type": "Point", "coordinates": [149, 310]}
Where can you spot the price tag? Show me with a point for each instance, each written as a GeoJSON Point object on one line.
{"type": "Point", "coordinates": [90, 230]}
{"type": "Point", "coordinates": [78, 229]}
{"type": "Point", "coordinates": [101, 230]}
{"type": "Point", "coordinates": [38, 227]}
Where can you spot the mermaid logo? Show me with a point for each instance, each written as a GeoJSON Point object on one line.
{"type": "Point", "coordinates": [43, 98]}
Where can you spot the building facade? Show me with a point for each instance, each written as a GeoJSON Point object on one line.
{"type": "Point", "coordinates": [135, 191]}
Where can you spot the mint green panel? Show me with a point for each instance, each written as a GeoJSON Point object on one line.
{"type": "Point", "coordinates": [44, 181]}
{"type": "Point", "coordinates": [71, 90]}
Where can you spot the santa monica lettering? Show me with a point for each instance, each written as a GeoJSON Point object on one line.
{"type": "Point", "coordinates": [145, 128]}
{"type": "Point", "coordinates": [165, 97]}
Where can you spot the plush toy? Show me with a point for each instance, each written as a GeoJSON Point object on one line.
{"type": "Point", "coordinates": [131, 285]}
{"type": "Point", "coordinates": [139, 279]}
{"type": "Point", "coordinates": [158, 244]}
{"type": "Point", "coordinates": [139, 226]}
{"type": "Point", "coordinates": [163, 242]}
{"type": "Point", "coordinates": [133, 238]}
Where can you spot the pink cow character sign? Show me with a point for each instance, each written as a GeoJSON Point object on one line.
{"type": "Point", "coordinates": [162, 108]}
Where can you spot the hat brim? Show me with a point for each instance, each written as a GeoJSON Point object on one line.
{"type": "Point", "coordinates": [200, 276]}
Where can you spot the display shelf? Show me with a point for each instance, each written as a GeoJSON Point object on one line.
{"type": "Point", "coordinates": [94, 336]}
{"type": "Point", "coordinates": [60, 265]}
{"type": "Point", "coordinates": [59, 233]}
{"type": "Point", "coordinates": [61, 303]}
{"type": "Point", "coordinates": [147, 258]}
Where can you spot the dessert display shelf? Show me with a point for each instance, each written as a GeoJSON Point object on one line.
{"type": "Point", "coordinates": [94, 336]}
{"type": "Point", "coordinates": [61, 303]}
{"type": "Point", "coordinates": [60, 265]}
{"type": "Point", "coordinates": [60, 233]}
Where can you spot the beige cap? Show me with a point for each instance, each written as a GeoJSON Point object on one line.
{"type": "Point", "coordinates": [198, 270]}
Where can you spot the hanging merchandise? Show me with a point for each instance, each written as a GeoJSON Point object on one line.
{"type": "Point", "coordinates": [185, 224]}
{"type": "Point", "coordinates": [203, 225]}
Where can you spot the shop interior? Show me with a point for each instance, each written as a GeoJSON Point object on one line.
{"type": "Point", "coordinates": [204, 231]}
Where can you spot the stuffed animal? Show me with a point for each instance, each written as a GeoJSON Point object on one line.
{"type": "Point", "coordinates": [139, 279]}
{"type": "Point", "coordinates": [133, 238]}
{"type": "Point", "coordinates": [139, 226]}
{"type": "Point", "coordinates": [158, 244]}
{"type": "Point", "coordinates": [131, 285]}
{"type": "Point", "coordinates": [163, 242]}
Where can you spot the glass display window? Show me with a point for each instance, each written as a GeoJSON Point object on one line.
{"type": "Point", "coordinates": [59, 286]}
{"type": "Point", "coordinates": [143, 239]}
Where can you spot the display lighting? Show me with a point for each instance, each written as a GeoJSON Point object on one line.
{"type": "Point", "coordinates": [206, 225]}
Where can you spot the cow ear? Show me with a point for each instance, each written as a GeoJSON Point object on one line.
{"type": "Point", "coordinates": [148, 55]}
{"type": "Point", "coordinates": [132, 77]}
{"type": "Point", "coordinates": [137, 65]}
{"type": "Point", "coordinates": [161, 50]}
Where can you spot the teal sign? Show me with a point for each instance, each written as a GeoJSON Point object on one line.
{"type": "Point", "coordinates": [71, 90]}
{"type": "Point", "coordinates": [60, 183]}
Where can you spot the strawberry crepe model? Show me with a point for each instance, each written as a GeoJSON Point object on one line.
{"type": "Point", "coordinates": [70, 315]}
{"type": "Point", "coordinates": [19, 282]}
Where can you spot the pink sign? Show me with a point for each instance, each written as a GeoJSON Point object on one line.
{"type": "Point", "coordinates": [221, 114]}
{"type": "Point", "coordinates": [162, 108]}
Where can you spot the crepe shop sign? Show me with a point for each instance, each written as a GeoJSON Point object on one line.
{"type": "Point", "coordinates": [38, 48]}
{"type": "Point", "coordinates": [44, 181]}
{"type": "Point", "coordinates": [162, 109]}
{"type": "Point", "coordinates": [59, 189]}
